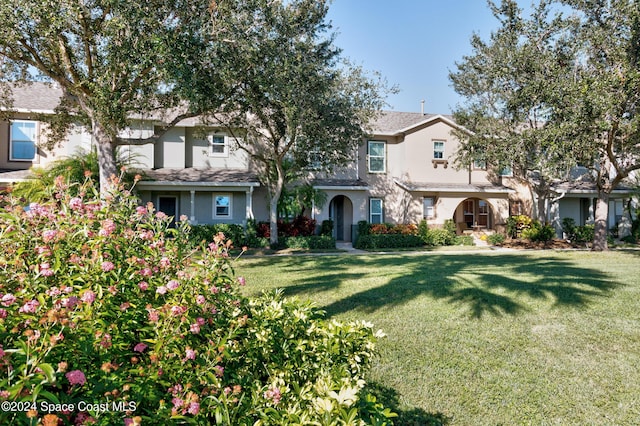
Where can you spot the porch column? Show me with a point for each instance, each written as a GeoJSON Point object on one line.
{"type": "Point", "coordinates": [192, 216]}
{"type": "Point", "coordinates": [249, 203]}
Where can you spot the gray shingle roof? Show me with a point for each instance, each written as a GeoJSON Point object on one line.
{"type": "Point", "coordinates": [35, 97]}
{"type": "Point", "coordinates": [191, 175]}
{"type": "Point", "coordinates": [392, 122]}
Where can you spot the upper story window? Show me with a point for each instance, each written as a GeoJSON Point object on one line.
{"type": "Point", "coordinates": [375, 210]}
{"type": "Point", "coordinates": [438, 150]}
{"type": "Point", "coordinates": [314, 160]}
{"type": "Point", "coordinates": [222, 206]}
{"type": "Point", "coordinates": [376, 156]}
{"type": "Point", "coordinates": [479, 164]}
{"type": "Point", "coordinates": [506, 171]}
{"type": "Point", "coordinates": [23, 140]}
{"type": "Point", "coordinates": [218, 146]}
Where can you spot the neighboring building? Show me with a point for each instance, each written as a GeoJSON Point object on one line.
{"type": "Point", "coordinates": [403, 173]}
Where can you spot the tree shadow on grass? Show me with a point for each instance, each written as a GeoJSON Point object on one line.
{"type": "Point", "coordinates": [390, 399]}
{"type": "Point", "coordinates": [484, 284]}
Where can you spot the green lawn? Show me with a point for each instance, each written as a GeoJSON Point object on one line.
{"type": "Point", "coordinates": [486, 337]}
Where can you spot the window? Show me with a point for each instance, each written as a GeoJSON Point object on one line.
{"type": "Point", "coordinates": [315, 160]}
{"type": "Point", "coordinates": [438, 150]}
{"type": "Point", "coordinates": [218, 146]}
{"type": "Point", "coordinates": [506, 171]}
{"type": "Point", "coordinates": [375, 210]}
{"type": "Point", "coordinates": [429, 208]}
{"type": "Point", "coordinates": [479, 164]}
{"type": "Point", "coordinates": [222, 206]}
{"type": "Point", "coordinates": [376, 156]}
{"type": "Point", "coordinates": [23, 141]}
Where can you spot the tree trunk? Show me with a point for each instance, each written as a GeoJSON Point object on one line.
{"type": "Point", "coordinates": [106, 157]}
{"type": "Point", "coordinates": [601, 228]}
{"type": "Point", "coordinates": [273, 205]}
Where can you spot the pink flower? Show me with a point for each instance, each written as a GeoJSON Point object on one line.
{"type": "Point", "coordinates": [76, 377]}
{"type": "Point", "coordinates": [173, 284]}
{"type": "Point", "coordinates": [140, 347]}
{"type": "Point", "coordinates": [194, 408]}
{"type": "Point", "coordinates": [153, 315]}
{"type": "Point", "coordinates": [141, 210]}
{"type": "Point", "coordinates": [178, 310]}
{"type": "Point", "coordinates": [184, 218]}
{"type": "Point", "coordinates": [146, 272]}
{"type": "Point", "coordinates": [70, 302]}
{"type": "Point", "coordinates": [190, 354]}
{"type": "Point", "coordinates": [194, 328]}
{"type": "Point", "coordinates": [108, 227]}
{"type": "Point", "coordinates": [1, 352]}
{"type": "Point", "coordinates": [165, 262]}
{"type": "Point", "coordinates": [143, 285]}
{"type": "Point", "coordinates": [75, 203]}
{"type": "Point", "coordinates": [200, 299]}
{"type": "Point", "coordinates": [218, 370]}
{"type": "Point", "coordinates": [107, 266]}
{"type": "Point", "coordinates": [3, 313]}
{"type": "Point", "coordinates": [124, 306]}
{"type": "Point", "coordinates": [242, 281]}
{"type": "Point", "coordinates": [53, 292]}
{"type": "Point", "coordinates": [4, 394]}
{"type": "Point", "coordinates": [177, 402]}
{"type": "Point", "coordinates": [273, 394]}
{"type": "Point", "coordinates": [30, 306]}
{"type": "Point", "coordinates": [200, 321]}
{"type": "Point", "coordinates": [49, 235]}
{"type": "Point", "coordinates": [8, 299]}
{"type": "Point", "coordinates": [45, 270]}
{"type": "Point", "coordinates": [88, 297]}
{"type": "Point", "coordinates": [161, 290]}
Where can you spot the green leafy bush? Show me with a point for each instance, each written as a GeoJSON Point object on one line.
{"type": "Point", "coordinates": [569, 228]}
{"type": "Point", "coordinates": [584, 233]}
{"type": "Point", "coordinates": [326, 228]}
{"type": "Point", "coordinates": [538, 232]}
{"type": "Point", "coordinates": [495, 239]}
{"type": "Point", "coordinates": [517, 224]}
{"type": "Point", "coordinates": [106, 319]}
{"type": "Point", "coordinates": [463, 240]}
{"type": "Point", "coordinates": [380, 241]}
{"type": "Point", "coordinates": [315, 242]}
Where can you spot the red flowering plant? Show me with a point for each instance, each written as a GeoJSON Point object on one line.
{"type": "Point", "coordinates": [108, 317]}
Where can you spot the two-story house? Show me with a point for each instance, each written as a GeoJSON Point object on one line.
{"type": "Point", "coordinates": [402, 173]}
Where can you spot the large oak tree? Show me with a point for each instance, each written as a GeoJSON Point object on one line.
{"type": "Point", "coordinates": [555, 90]}
{"type": "Point", "coordinates": [113, 60]}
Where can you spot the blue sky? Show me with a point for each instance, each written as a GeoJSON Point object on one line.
{"type": "Point", "coordinates": [412, 43]}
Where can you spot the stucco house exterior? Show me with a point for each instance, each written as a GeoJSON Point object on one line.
{"type": "Point", "coordinates": [403, 173]}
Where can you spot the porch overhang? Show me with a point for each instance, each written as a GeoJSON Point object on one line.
{"type": "Point", "coordinates": [340, 185]}
{"type": "Point", "coordinates": [191, 179]}
{"type": "Point", "coordinates": [453, 188]}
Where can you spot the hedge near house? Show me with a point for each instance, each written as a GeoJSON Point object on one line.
{"type": "Point", "coordinates": [105, 318]}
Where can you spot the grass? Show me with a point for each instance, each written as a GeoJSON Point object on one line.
{"type": "Point", "coordinates": [484, 337]}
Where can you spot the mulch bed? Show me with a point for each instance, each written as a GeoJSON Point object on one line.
{"type": "Point", "coordinates": [539, 245]}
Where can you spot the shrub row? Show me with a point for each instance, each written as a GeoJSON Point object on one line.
{"type": "Point", "coordinates": [380, 241]}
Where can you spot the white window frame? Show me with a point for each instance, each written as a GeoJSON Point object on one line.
{"type": "Point", "coordinates": [429, 207]}
{"type": "Point", "coordinates": [383, 156]}
{"type": "Point", "coordinates": [212, 142]}
{"type": "Point", "coordinates": [216, 215]}
{"type": "Point", "coordinates": [439, 152]}
{"type": "Point", "coordinates": [378, 201]}
{"type": "Point", "coordinates": [314, 162]}
{"type": "Point", "coordinates": [11, 140]}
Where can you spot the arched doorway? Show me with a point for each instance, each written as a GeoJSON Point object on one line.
{"type": "Point", "coordinates": [341, 212]}
{"type": "Point", "coordinates": [473, 214]}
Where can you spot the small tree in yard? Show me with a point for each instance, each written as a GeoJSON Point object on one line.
{"type": "Point", "coordinates": [296, 101]}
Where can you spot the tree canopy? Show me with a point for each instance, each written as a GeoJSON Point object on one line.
{"type": "Point", "coordinates": [112, 60]}
{"type": "Point", "coordinates": [300, 105]}
{"type": "Point", "coordinates": [555, 90]}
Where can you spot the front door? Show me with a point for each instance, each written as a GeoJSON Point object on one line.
{"type": "Point", "coordinates": [169, 206]}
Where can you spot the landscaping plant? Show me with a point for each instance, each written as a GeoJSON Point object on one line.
{"type": "Point", "coordinates": [107, 317]}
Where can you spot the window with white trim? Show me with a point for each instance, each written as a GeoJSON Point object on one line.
{"type": "Point", "coordinates": [438, 150]}
{"type": "Point", "coordinates": [506, 171]}
{"type": "Point", "coordinates": [314, 160]}
{"type": "Point", "coordinates": [218, 146]}
{"type": "Point", "coordinates": [376, 156]}
{"type": "Point", "coordinates": [375, 210]}
{"type": "Point", "coordinates": [23, 140]}
{"type": "Point", "coordinates": [222, 207]}
{"type": "Point", "coordinates": [429, 207]}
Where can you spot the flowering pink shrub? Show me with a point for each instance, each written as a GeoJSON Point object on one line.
{"type": "Point", "coordinates": [107, 317]}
